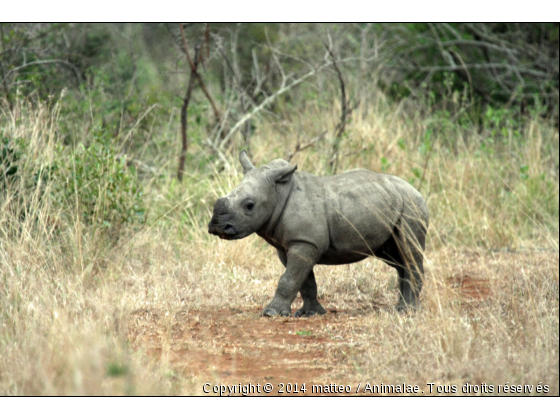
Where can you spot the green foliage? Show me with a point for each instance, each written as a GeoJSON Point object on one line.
{"type": "Point", "coordinates": [497, 61]}
{"type": "Point", "coordinates": [249, 39]}
{"type": "Point", "coordinates": [103, 186]}
{"type": "Point", "coordinates": [385, 165]}
{"type": "Point", "coordinates": [9, 157]}
{"type": "Point", "coordinates": [538, 196]}
{"type": "Point", "coordinates": [524, 172]}
{"type": "Point", "coordinates": [417, 172]}
{"type": "Point", "coordinates": [23, 180]}
{"type": "Point", "coordinates": [426, 145]}
{"type": "Point", "coordinates": [131, 80]}
{"type": "Point", "coordinates": [115, 369]}
{"type": "Point", "coordinates": [502, 123]}
{"type": "Point", "coordinates": [500, 63]}
{"type": "Point", "coordinates": [44, 58]}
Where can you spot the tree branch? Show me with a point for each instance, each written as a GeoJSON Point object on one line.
{"type": "Point", "coordinates": [267, 101]}
{"type": "Point", "coordinates": [41, 62]}
{"type": "Point", "coordinates": [299, 147]}
{"type": "Point", "coordinates": [341, 126]}
{"type": "Point", "coordinates": [477, 66]}
{"type": "Point", "coordinates": [194, 70]}
{"type": "Point", "coordinates": [184, 108]}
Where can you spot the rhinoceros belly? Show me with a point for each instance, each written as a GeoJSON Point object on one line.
{"type": "Point", "coordinates": [362, 209]}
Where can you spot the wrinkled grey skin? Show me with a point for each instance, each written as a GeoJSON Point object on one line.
{"type": "Point", "coordinates": [332, 220]}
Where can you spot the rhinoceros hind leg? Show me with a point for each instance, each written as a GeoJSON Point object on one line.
{"type": "Point", "coordinates": [402, 306]}
{"type": "Point", "coordinates": [410, 285]}
{"type": "Point", "coordinates": [310, 308]}
{"type": "Point", "coordinates": [311, 305]}
{"type": "Point", "coordinates": [411, 240]}
{"type": "Point", "coordinates": [402, 253]}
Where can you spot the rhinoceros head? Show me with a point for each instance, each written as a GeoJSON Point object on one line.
{"type": "Point", "coordinates": [250, 205]}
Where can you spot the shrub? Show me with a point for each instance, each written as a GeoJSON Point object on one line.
{"type": "Point", "coordinates": [101, 186]}
{"type": "Point", "coordinates": [9, 157]}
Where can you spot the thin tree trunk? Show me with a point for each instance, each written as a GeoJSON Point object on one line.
{"type": "Point", "coordinates": [184, 122]}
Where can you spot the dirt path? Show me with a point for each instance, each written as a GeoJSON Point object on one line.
{"type": "Point", "coordinates": [232, 346]}
{"type": "Point", "coordinates": [237, 346]}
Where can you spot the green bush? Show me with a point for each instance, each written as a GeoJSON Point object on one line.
{"type": "Point", "coordinates": [9, 157]}
{"type": "Point", "coordinates": [102, 186]}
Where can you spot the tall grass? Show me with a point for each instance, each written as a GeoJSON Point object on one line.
{"type": "Point", "coordinates": [69, 297]}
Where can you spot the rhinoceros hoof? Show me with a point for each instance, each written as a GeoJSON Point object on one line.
{"type": "Point", "coordinates": [310, 310]}
{"type": "Point", "coordinates": [270, 312]}
{"type": "Point", "coordinates": [405, 307]}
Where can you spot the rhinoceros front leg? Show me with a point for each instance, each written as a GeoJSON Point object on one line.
{"type": "Point", "coordinates": [299, 262]}
{"type": "Point", "coordinates": [311, 305]}
{"type": "Point", "coordinates": [308, 291]}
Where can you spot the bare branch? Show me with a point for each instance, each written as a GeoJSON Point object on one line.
{"type": "Point", "coordinates": [341, 126]}
{"type": "Point", "coordinates": [217, 113]}
{"type": "Point", "coordinates": [451, 29]}
{"type": "Point", "coordinates": [41, 62]}
{"type": "Point", "coordinates": [194, 70]}
{"type": "Point", "coordinates": [268, 101]}
{"type": "Point", "coordinates": [219, 153]}
{"type": "Point", "coordinates": [186, 48]}
{"type": "Point", "coordinates": [276, 61]}
{"type": "Point", "coordinates": [446, 56]}
{"type": "Point", "coordinates": [207, 40]}
{"type": "Point", "coordinates": [476, 43]}
{"type": "Point", "coordinates": [466, 70]}
{"type": "Point", "coordinates": [184, 122]}
{"type": "Point", "coordinates": [299, 147]}
{"type": "Point", "coordinates": [343, 101]}
{"type": "Point", "coordinates": [504, 66]}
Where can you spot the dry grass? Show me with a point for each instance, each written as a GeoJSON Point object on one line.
{"type": "Point", "coordinates": [171, 308]}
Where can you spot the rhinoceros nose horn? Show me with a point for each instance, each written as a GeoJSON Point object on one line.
{"type": "Point", "coordinates": [221, 206]}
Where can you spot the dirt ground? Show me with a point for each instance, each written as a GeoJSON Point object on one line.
{"type": "Point", "coordinates": [233, 346]}
{"type": "Point", "coordinates": [238, 346]}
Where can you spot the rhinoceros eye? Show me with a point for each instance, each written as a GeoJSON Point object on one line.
{"type": "Point", "coordinates": [250, 206]}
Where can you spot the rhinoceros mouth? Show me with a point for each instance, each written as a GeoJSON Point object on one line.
{"type": "Point", "coordinates": [227, 231]}
{"type": "Point", "coordinates": [229, 237]}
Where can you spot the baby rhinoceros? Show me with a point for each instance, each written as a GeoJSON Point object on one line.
{"type": "Point", "coordinates": [332, 220]}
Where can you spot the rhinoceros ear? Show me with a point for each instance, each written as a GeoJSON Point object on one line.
{"type": "Point", "coordinates": [245, 162]}
{"type": "Point", "coordinates": [281, 175]}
